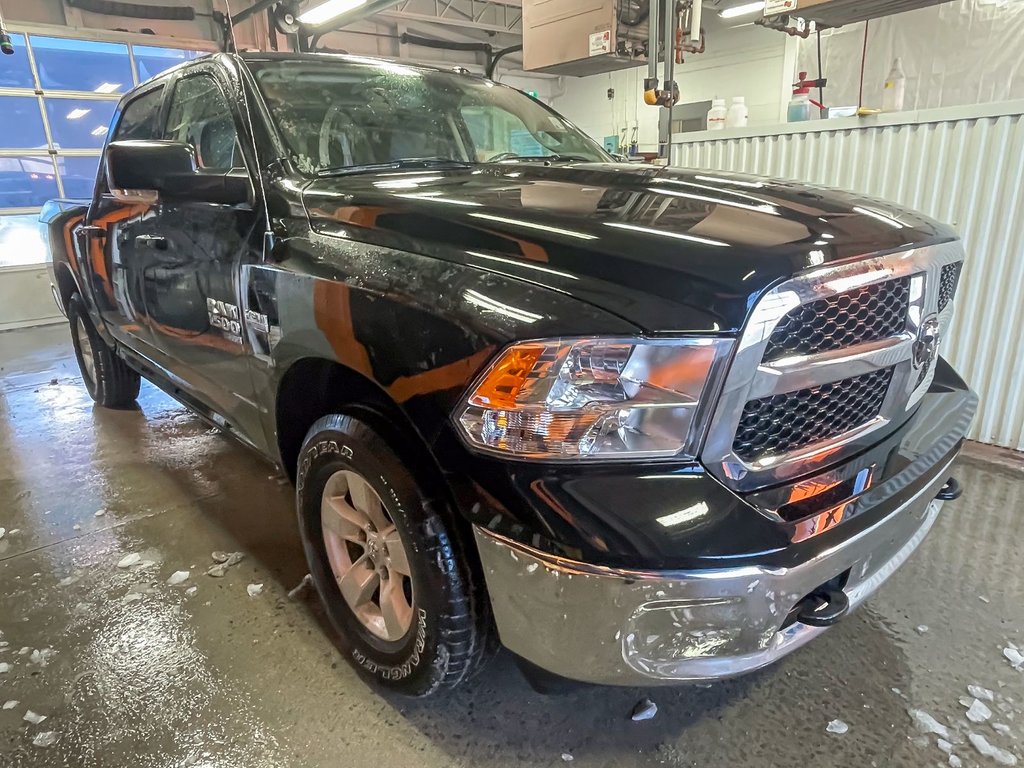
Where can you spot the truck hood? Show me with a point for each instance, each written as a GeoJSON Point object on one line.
{"type": "Point", "coordinates": [669, 250]}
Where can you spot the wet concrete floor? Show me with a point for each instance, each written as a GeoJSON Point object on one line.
{"type": "Point", "coordinates": [129, 670]}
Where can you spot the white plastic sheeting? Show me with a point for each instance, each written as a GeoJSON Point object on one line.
{"type": "Point", "coordinates": [965, 52]}
{"type": "Point", "coordinates": [964, 166]}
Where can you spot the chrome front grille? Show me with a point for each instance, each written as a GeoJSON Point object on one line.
{"type": "Point", "coordinates": [869, 313]}
{"type": "Point", "coordinates": [827, 358]}
{"type": "Point", "coordinates": [781, 424]}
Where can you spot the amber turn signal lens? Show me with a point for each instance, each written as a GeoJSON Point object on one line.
{"type": "Point", "coordinates": [506, 378]}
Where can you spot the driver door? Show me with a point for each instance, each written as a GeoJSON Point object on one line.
{"type": "Point", "coordinates": [194, 253]}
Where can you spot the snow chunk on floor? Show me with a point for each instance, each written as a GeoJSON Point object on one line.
{"type": "Point", "coordinates": [944, 745]}
{"type": "Point", "coordinates": [837, 727]}
{"type": "Point", "coordinates": [178, 577]}
{"type": "Point", "coordinates": [4, 667]}
{"type": "Point", "coordinates": [45, 739]}
{"type": "Point", "coordinates": [928, 724]}
{"type": "Point", "coordinates": [41, 656]}
{"type": "Point", "coordinates": [1014, 656]}
{"type": "Point", "coordinates": [988, 749]}
{"type": "Point", "coordinates": [11, 704]}
{"type": "Point", "coordinates": [223, 560]}
{"type": "Point", "coordinates": [645, 709]}
{"type": "Point", "coordinates": [254, 590]}
{"type": "Point", "coordinates": [33, 717]}
{"type": "Point", "coordinates": [955, 762]}
{"type": "Point", "coordinates": [129, 560]}
{"type": "Point", "coordinates": [978, 712]}
{"type": "Point", "coordinates": [981, 693]}
{"type": "Point", "coordinates": [567, 757]}
{"type": "Point", "coordinates": [922, 628]}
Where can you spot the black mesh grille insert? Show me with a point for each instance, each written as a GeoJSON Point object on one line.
{"type": "Point", "coordinates": [948, 283]}
{"type": "Point", "coordinates": [871, 313]}
{"type": "Point", "coordinates": [783, 423]}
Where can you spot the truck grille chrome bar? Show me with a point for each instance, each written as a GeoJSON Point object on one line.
{"type": "Point", "coordinates": [826, 359]}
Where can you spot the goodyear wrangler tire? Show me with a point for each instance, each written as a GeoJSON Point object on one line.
{"type": "Point", "coordinates": [385, 562]}
{"type": "Point", "coordinates": [109, 380]}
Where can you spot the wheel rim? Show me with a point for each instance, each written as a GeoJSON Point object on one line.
{"type": "Point", "coordinates": [369, 561]}
{"type": "Point", "coordinates": [85, 348]}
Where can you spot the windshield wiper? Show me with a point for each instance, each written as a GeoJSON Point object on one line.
{"type": "Point", "coordinates": [395, 165]}
{"type": "Point", "coordinates": [540, 158]}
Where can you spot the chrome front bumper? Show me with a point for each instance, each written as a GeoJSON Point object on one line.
{"type": "Point", "coordinates": [619, 627]}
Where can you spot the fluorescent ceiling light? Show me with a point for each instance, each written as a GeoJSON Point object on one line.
{"type": "Point", "coordinates": [78, 114]}
{"type": "Point", "coordinates": [108, 88]}
{"type": "Point", "coordinates": [99, 130]}
{"type": "Point", "coordinates": [741, 10]}
{"type": "Point", "coordinates": [329, 10]}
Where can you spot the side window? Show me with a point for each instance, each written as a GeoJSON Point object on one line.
{"type": "Point", "coordinates": [141, 118]}
{"type": "Point", "coordinates": [496, 131]}
{"type": "Point", "coordinates": [200, 116]}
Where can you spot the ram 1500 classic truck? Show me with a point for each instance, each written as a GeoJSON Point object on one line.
{"type": "Point", "coordinates": [639, 424]}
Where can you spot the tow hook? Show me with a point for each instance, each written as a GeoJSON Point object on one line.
{"type": "Point", "coordinates": [823, 607]}
{"type": "Point", "coordinates": [950, 491]}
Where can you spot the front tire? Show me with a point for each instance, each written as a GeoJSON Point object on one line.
{"type": "Point", "coordinates": [384, 558]}
{"type": "Point", "coordinates": [109, 380]}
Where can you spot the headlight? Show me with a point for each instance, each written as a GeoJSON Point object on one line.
{"type": "Point", "coordinates": [566, 399]}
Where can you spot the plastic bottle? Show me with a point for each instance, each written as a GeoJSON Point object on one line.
{"type": "Point", "coordinates": [717, 115]}
{"type": "Point", "coordinates": [800, 106]}
{"type": "Point", "coordinates": [738, 113]}
{"type": "Point", "coordinates": [895, 88]}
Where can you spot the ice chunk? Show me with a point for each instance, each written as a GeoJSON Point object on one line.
{"type": "Point", "coordinates": [45, 739]}
{"type": "Point", "coordinates": [131, 597]}
{"type": "Point", "coordinates": [837, 727]}
{"type": "Point", "coordinates": [11, 704]}
{"type": "Point", "coordinates": [984, 599]}
{"type": "Point", "coordinates": [296, 593]}
{"type": "Point", "coordinates": [1002, 728]}
{"type": "Point", "coordinates": [4, 667]}
{"type": "Point", "coordinates": [254, 590]}
{"type": "Point", "coordinates": [567, 757]}
{"type": "Point", "coordinates": [645, 709]}
{"type": "Point", "coordinates": [988, 749]}
{"type": "Point", "coordinates": [928, 724]}
{"type": "Point", "coordinates": [41, 656]}
{"type": "Point", "coordinates": [1014, 656]}
{"type": "Point", "coordinates": [100, 512]}
{"type": "Point", "coordinates": [191, 591]}
{"type": "Point", "coordinates": [955, 762]}
{"type": "Point", "coordinates": [33, 717]}
{"type": "Point", "coordinates": [3, 531]}
{"type": "Point", "coordinates": [532, 567]}
{"type": "Point", "coordinates": [129, 560]}
{"type": "Point", "coordinates": [178, 577]}
{"type": "Point", "coordinates": [944, 745]}
{"type": "Point", "coordinates": [978, 712]}
{"type": "Point", "coordinates": [980, 693]}
{"type": "Point", "coordinates": [67, 581]}
{"type": "Point", "coordinates": [224, 561]}
{"type": "Point", "coordinates": [922, 628]}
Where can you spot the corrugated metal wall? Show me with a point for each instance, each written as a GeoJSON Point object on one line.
{"type": "Point", "coordinates": [965, 170]}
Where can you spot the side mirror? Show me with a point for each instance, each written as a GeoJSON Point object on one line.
{"type": "Point", "coordinates": [145, 171]}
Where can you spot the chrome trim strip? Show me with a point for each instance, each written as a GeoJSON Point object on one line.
{"type": "Point", "coordinates": [749, 378]}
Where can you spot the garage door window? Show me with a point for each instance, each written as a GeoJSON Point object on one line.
{"type": "Point", "coordinates": [57, 98]}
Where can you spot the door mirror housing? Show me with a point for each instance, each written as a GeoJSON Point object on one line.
{"type": "Point", "coordinates": [146, 171]}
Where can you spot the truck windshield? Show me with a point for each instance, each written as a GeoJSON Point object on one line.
{"type": "Point", "coordinates": [340, 114]}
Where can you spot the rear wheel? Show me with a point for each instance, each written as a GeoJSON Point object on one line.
{"type": "Point", "coordinates": [109, 380]}
{"type": "Point", "coordinates": [395, 582]}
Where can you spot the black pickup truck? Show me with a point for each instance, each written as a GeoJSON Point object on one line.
{"type": "Point", "coordinates": [642, 425]}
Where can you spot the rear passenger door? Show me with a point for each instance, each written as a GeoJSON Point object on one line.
{"type": "Point", "coordinates": [107, 245]}
{"type": "Point", "coordinates": [194, 259]}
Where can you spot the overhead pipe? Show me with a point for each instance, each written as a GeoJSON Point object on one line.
{"type": "Point", "coordinates": [651, 83]}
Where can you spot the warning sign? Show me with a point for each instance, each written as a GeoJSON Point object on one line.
{"type": "Point", "coordinates": [775, 7]}
{"type": "Point", "coordinates": [601, 42]}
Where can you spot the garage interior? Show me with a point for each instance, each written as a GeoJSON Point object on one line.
{"type": "Point", "coordinates": [117, 645]}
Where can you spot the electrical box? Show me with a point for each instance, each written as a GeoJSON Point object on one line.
{"type": "Point", "coordinates": [836, 13]}
{"type": "Point", "coordinates": [583, 37]}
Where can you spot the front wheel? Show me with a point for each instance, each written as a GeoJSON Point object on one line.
{"type": "Point", "coordinates": [395, 584]}
{"type": "Point", "coordinates": [109, 380]}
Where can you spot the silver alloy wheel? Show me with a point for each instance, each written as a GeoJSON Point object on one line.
{"type": "Point", "coordinates": [85, 347]}
{"type": "Point", "coordinates": [367, 556]}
